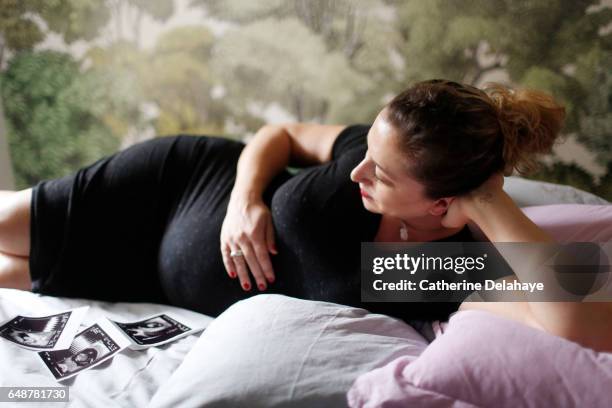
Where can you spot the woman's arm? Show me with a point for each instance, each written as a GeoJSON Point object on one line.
{"type": "Point", "coordinates": [274, 147]}
{"type": "Point", "coordinates": [502, 221]}
{"type": "Point", "coordinates": [499, 218]}
{"type": "Point", "coordinates": [248, 223]}
{"type": "Point", "coordinates": [495, 213]}
{"type": "Point", "coordinates": [265, 156]}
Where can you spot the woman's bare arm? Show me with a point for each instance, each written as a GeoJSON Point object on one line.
{"type": "Point", "coordinates": [265, 156]}
{"type": "Point", "coordinates": [274, 147]}
{"type": "Point", "coordinates": [502, 221]}
{"type": "Point", "coordinates": [248, 222]}
{"type": "Point", "coordinates": [495, 213]}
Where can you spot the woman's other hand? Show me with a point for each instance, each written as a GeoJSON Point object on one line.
{"type": "Point", "coordinates": [458, 213]}
{"type": "Point", "coordinates": [248, 228]}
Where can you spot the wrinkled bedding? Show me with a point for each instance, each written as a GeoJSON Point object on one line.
{"type": "Point", "coordinates": [129, 380]}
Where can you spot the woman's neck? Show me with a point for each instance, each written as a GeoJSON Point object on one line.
{"type": "Point", "coordinates": [389, 231]}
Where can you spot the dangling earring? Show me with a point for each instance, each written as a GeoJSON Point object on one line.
{"type": "Point", "coordinates": [403, 231]}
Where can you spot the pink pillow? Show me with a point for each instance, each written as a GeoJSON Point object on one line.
{"type": "Point", "coordinates": [474, 363]}
{"type": "Point", "coordinates": [573, 222]}
{"type": "Point", "coordinates": [568, 222]}
{"type": "Point", "coordinates": [483, 359]}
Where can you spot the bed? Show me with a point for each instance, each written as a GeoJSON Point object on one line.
{"type": "Point", "coordinates": [269, 350]}
{"type": "Point", "coordinates": [130, 379]}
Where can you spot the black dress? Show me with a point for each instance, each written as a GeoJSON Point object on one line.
{"type": "Point", "coordinates": [144, 225]}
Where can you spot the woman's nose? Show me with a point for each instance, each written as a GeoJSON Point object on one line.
{"type": "Point", "coordinates": [359, 172]}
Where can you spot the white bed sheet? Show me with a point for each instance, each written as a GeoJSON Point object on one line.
{"type": "Point", "coordinates": [128, 380]}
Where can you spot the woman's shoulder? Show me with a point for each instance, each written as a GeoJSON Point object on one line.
{"type": "Point", "coordinates": [351, 137]}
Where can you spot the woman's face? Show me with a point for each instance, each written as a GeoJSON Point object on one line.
{"type": "Point", "coordinates": [385, 184]}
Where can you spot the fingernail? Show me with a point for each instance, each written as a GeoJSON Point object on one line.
{"type": "Point", "coordinates": [261, 286]}
{"type": "Point", "coordinates": [232, 274]}
{"type": "Point", "coordinates": [246, 286]}
{"type": "Point", "coordinates": [271, 279]}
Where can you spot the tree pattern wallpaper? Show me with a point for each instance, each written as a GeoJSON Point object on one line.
{"type": "Point", "coordinates": [81, 79]}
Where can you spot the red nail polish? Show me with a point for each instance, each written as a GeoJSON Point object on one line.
{"type": "Point", "coordinates": [271, 279]}
{"type": "Point", "coordinates": [232, 274]}
{"type": "Point", "coordinates": [246, 286]}
{"type": "Point", "coordinates": [261, 286]}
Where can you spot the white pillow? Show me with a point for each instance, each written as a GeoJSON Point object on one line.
{"type": "Point", "coordinates": [273, 350]}
{"type": "Point", "coordinates": [526, 192]}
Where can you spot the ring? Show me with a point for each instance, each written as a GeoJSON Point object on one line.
{"type": "Point", "coordinates": [236, 253]}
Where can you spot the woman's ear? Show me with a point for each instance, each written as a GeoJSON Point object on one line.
{"type": "Point", "coordinates": [454, 217]}
{"type": "Point", "coordinates": [440, 206]}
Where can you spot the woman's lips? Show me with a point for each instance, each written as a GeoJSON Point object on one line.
{"type": "Point", "coordinates": [364, 194]}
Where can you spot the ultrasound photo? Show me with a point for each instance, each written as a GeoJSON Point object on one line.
{"type": "Point", "coordinates": [43, 333]}
{"type": "Point", "coordinates": [154, 331]}
{"type": "Point", "coordinates": [88, 349]}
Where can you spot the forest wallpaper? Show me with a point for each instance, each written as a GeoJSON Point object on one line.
{"type": "Point", "coordinates": [80, 79]}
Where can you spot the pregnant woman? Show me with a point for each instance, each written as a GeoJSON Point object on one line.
{"type": "Point", "coordinates": [202, 222]}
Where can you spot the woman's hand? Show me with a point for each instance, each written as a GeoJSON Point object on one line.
{"type": "Point", "coordinates": [248, 227]}
{"type": "Point", "coordinates": [459, 210]}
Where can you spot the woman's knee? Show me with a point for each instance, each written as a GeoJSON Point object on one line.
{"type": "Point", "coordinates": [15, 222]}
{"type": "Point", "coordinates": [14, 272]}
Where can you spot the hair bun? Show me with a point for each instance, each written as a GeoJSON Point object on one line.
{"type": "Point", "coordinates": [530, 122]}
